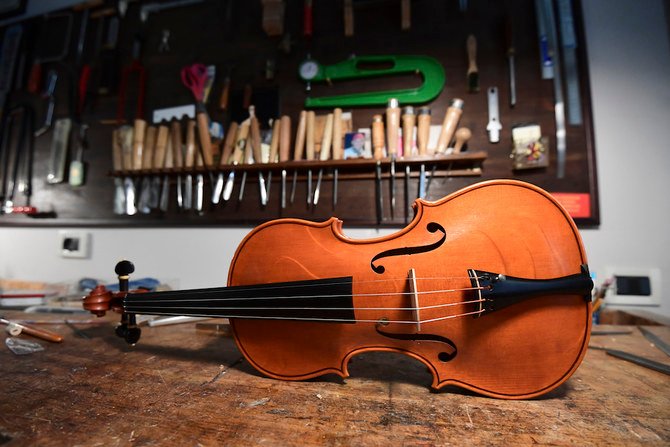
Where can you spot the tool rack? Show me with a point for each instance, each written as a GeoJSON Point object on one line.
{"type": "Point", "coordinates": [230, 36]}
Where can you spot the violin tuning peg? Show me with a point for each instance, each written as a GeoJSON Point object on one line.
{"type": "Point", "coordinates": [131, 334]}
{"type": "Point", "coordinates": [124, 268]}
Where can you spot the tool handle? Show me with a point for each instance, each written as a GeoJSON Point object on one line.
{"type": "Point", "coordinates": [84, 76]}
{"type": "Point", "coordinates": [240, 143]}
{"type": "Point", "coordinates": [471, 47]}
{"type": "Point", "coordinates": [35, 78]}
{"type": "Point", "coordinates": [229, 144]}
{"type": "Point", "coordinates": [463, 134]}
{"type": "Point", "coordinates": [126, 141]}
{"type": "Point", "coordinates": [307, 22]}
{"type": "Point", "coordinates": [449, 127]}
{"type": "Point", "coordinates": [255, 135]}
{"type": "Point", "coordinates": [41, 333]}
{"type": "Point", "coordinates": [285, 138]}
{"type": "Point", "coordinates": [327, 138]}
{"type": "Point", "coordinates": [338, 151]}
{"type": "Point", "coordinates": [169, 152]}
{"type": "Point", "coordinates": [423, 131]}
{"type": "Point", "coordinates": [300, 136]}
{"type": "Point", "coordinates": [177, 149]}
{"type": "Point", "coordinates": [408, 123]}
{"type": "Point", "coordinates": [309, 135]}
{"type": "Point", "coordinates": [189, 155]}
{"type": "Point", "coordinates": [149, 147]}
{"type": "Point", "coordinates": [138, 142]}
{"type": "Point", "coordinates": [117, 156]}
{"type": "Point", "coordinates": [378, 137]}
{"type": "Point", "coordinates": [274, 143]}
{"type": "Point", "coordinates": [225, 94]}
{"type": "Point", "coordinates": [161, 145]}
{"type": "Point", "coordinates": [392, 127]}
{"type": "Point", "coordinates": [205, 140]}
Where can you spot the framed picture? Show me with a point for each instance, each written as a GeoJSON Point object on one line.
{"type": "Point", "coordinates": [357, 145]}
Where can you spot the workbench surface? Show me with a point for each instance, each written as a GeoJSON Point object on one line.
{"type": "Point", "coordinates": [180, 386]}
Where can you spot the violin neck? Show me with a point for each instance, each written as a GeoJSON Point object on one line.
{"type": "Point", "coordinates": [275, 301]}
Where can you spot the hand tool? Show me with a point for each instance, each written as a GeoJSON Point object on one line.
{"type": "Point", "coordinates": [408, 124]}
{"type": "Point", "coordinates": [247, 158]}
{"type": "Point", "coordinates": [638, 360]}
{"type": "Point", "coordinates": [463, 134]}
{"type": "Point", "coordinates": [162, 138]}
{"type": "Point", "coordinates": [52, 78]}
{"type": "Point", "coordinates": [84, 69]}
{"type": "Point", "coordinates": [20, 156]}
{"type": "Point", "coordinates": [378, 154]}
{"type": "Point", "coordinates": [77, 173]}
{"type": "Point", "coordinates": [194, 78]}
{"type": "Point", "coordinates": [338, 148]}
{"type": "Point", "coordinates": [545, 13]}
{"type": "Point", "coordinates": [324, 154]}
{"type": "Point", "coordinates": [109, 58]}
{"type": "Point", "coordinates": [309, 150]}
{"type": "Point", "coordinates": [55, 26]}
{"type": "Point", "coordinates": [449, 124]}
{"type": "Point", "coordinates": [274, 151]}
{"type": "Point", "coordinates": [238, 157]}
{"type": "Point", "coordinates": [14, 329]}
{"type": "Point", "coordinates": [284, 152]}
{"type": "Point", "coordinates": [473, 71]}
{"type": "Point", "coordinates": [134, 67]}
{"type": "Point", "coordinates": [255, 137]}
{"type": "Point", "coordinates": [226, 153]}
{"type": "Point", "coordinates": [125, 134]}
{"type": "Point", "coordinates": [189, 163]}
{"type": "Point", "coordinates": [8, 54]}
{"type": "Point", "coordinates": [177, 158]}
{"type": "Point", "coordinates": [59, 145]}
{"type": "Point", "coordinates": [430, 70]}
{"type": "Point", "coordinates": [392, 132]}
{"type": "Point", "coordinates": [299, 148]}
{"type": "Point", "coordinates": [569, 52]}
{"type": "Point", "coordinates": [509, 34]}
{"type": "Point", "coordinates": [655, 340]}
{"type": "Point", "coordinates": [199, 185]}
{"type": "Point", "coordinates": [164, 202]}
{"type": "Point", "coordinates": [147, 164]}
{"type": "Point", "coordinates": [119, 192]}
{"type": "Point", "coordinates": [151, 8]}
{"type": "Point", "coordinates": [493, 127]}
{"type": "Point", "coordinates": [422, 135]}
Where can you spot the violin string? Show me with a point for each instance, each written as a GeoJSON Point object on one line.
{"type": "Point", "coordinates": [435, 306]}
{"type": "Point", "coordinates": [138, 297]}
{"type": "Point", "coordinates": [321, 320]}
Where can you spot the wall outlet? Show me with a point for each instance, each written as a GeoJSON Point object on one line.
{"type": "Point", "coordinates": [634, 286]}
{"type": "Point", "coordinates": [75, 244]}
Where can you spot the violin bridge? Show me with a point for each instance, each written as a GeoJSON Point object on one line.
{"type": "Point", "coordinates": [414, 298]}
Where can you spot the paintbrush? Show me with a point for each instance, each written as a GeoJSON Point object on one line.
{"type": "Point", "coordinates": [473, 72]}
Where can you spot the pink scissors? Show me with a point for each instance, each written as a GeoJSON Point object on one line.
{"type": "Point", "coordinates": [194, 78]}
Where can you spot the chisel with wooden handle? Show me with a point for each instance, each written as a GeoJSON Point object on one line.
{"type": "Point", "coordinates": [299, 148]}
{"type": "Point", "coordinates": [309, 150]}
{"type": "Point", "coordinates": [338, 149]}
{"type": "Point", "coordinates": [284, 152]}
{"type": "Point", "coordinates": [255, 136]}
{"type": "Point", "coordinates": [177, 158]}
{"type": "Point", "coordinates": [237, 157]}
{"type": "Point", "coordinates": [160, 149]}
{"type": "Point", "coordinates": [226, 153]}
{"type": "Point", "coordinates": [324, 154]}
{"type": "Point", "coordinates": [189, 163]}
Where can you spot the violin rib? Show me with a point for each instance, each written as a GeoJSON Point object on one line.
{"type": "Point", "coordinates": [524, 349]}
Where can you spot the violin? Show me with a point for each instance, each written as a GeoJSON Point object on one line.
{"type": "Point", "coordinates": [488, 287]}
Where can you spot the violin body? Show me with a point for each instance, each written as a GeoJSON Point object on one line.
{"type": "Point", "coordinates": [414, 293]}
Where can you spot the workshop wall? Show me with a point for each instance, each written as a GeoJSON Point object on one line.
{"type": "Point", "coordinates": [629, 61]}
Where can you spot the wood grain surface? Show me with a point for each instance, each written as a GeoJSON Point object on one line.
{"type": "Point", "coordinates": [180, 386]}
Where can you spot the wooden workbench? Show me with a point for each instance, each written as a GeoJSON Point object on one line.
{"type": "Point", "coordinates": [180, 386]}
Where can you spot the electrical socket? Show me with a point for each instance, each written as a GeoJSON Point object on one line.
{"type": "Point", "coordinates": [635, 276]}
{"type": "Point", "coordinates": [74, 244]}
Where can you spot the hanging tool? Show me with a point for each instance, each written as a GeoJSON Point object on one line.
{"type": "Point", "coordinates": [274, 150]}
{"type": "Point", "coordinates": [408, 124]}
{"type": "Point", "coordinates": [338, 148]}
{"type": "Point", "coordinates": [117, 159]}
{"type": "Point", "coordinates": [378, 154]}
{"type": "Point", "coordinates": [109, 58]}
{"type": "Point", "coordinates": [569, 47]}
{"type": "Point", "coordinates": [546, 22]}
{"type": "Point", "coordinates": [59, 149]}
{"type": "Point", "coordinates": [9, 53]}
{"type": "Point", "coordinates": [55, 26]}
{"type": "Point", "coordinates": [52, 79]}
{"type": "Point", "coordinates": [160, 152]}
{"type": "Point", "coordinates": [284, 152]}
{"type": "Point", "coordinates": [430, 69]}
{"type": "Point", "coordinates": [194, 78]}
{"type": "Point", "coordinates": [125, 135]}
{"type": "Point", "coordinates": [226, 153]}
{"type": "Point", "coordinates": [493, 127]}
{"type": "Point", "coordinates": [237, 158]}
{"type": "Point", "coordinates": [422, 135]}
{"type": "Point", "coordinates": [392, 134]}
{"type": "Point", "coordinates": [147, 163]}
{"type": "Point", "coordinates": [178, 158]}
{"type": "Point", "coordinates": [324, 154]}
{"type": "Point", "coordinates": [190, 153]}
{"type": "Point", "coordinates": [449, 124]}
{"type": "Point", "coordinates": [134, 67]}
{"type": "Point", "coordinates": [309, 150]}
{"type": "Point", "coordinates": [77, 173]}
{"type": "Point", "coordinates": [473, 71]}
{"type": "Point", "coordinates": [84, 69]}
{"type": "Point", "coordinates": [17, 160]}
{"type": "Point", "coordinates": [255, 137]}
{"type": "Point", "coordinates": [509, 34]}
{"type": "Point", "coordinates": [299, 148]}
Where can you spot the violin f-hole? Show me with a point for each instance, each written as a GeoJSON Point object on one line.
{"type": "Point", "coordinates": [432, 227]}
{"type": "Point", "coordinates": [444, 356]}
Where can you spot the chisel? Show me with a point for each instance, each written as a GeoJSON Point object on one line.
{"type": "Point", "coordinates": [378, 154]}
{"type": "Point", "coordinates": [284, 152]}
{"type": "Point", "coordinates": [324, 154]}
{"type": "Point", "coordinates": [169, 164]}
{"type": "Point", "coordinates": [159, 163]}
{"type": "Point", "coordinates": [473, 71]}
{"type": "Point", "coordinates": [126, 140]}
{"type": "Point", "coordinates": [255, 137]}
{"type": "Point", "coordinates": [309, 150]}
{"type": "Point", "coordinates": [422, 135]}
{"type": "Point", "coordinates": [189, 163]}
{"type": "Point", "coordinates": [147, 162]}
{"type": "Point", "coordinates": [392, 132]}
{"type": "Point", "coordinates": [408, 124]}
{"type": "Point", "coordinates": [299, 148]}
{"type": "Point", "coordinates": [237, 158]}
{"type": "Point", "coordinates": [177, 158]}
{"type": "Point", "coordinates": [117, 163]}
{"type": "Point", "coordinates": [226, 153]}
{"type": "Point", "coordinates": [274, 151]}
{"type": "Point", "coordinates": [338, 149]}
